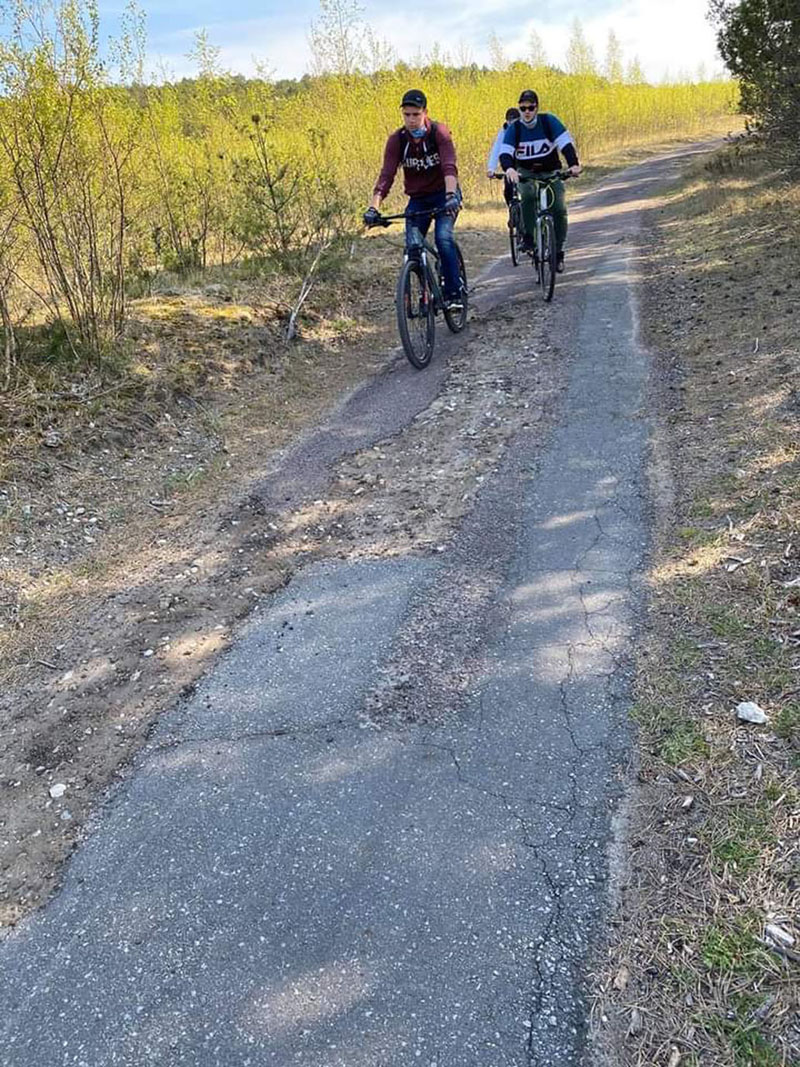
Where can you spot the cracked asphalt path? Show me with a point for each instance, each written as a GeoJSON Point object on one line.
{"type": "Point", "coordinates": [321, 860]}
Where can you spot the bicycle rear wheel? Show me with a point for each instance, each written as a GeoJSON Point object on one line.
{"type": "Point", "coordinates": [415, 314]}
{"type": "Point", "coordinates": [547, 269]}
{"type": "Point", "coordinates": [513, 232]}
{"type": "Point", "coordinates": [457, 320]}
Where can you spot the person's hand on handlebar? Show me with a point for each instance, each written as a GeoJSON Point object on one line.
{"type": "Point", "coordinates": [513, 175]}
{"type": "Point", "coordinates": [452, 204]}
{"type": "Point", "coordinates": [575, 169]}
{"type": "Point", "coordinates": [372, 217]}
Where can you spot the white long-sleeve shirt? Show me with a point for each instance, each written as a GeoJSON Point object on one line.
{"type": "Point", "coordinates": [493, 161]}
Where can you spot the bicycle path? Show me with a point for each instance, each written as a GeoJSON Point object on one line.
{"type": "Point", "coordinates": [288, 878]}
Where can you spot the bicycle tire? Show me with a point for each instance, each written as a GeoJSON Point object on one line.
{"type": "Point", "coordinates": [457, 322]}
{"type": "Point", "coordinates": [415, 314]}
{"type": "Point", "coordinates": [548, 257]}
{"type": "Point", "coordinates": [513, 232]}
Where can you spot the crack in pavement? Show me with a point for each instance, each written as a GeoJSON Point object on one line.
{"type": "Point", "coordinates": [552, 931]}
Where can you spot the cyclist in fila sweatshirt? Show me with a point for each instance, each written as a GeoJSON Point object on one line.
{"type": "Point", "coordinates": [531, 147]}
{"type": "Point", "coordinates": [425, 151]}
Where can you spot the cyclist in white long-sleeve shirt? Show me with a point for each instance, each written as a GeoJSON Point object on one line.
{"type": "Point", "coordinates": [493, 161]}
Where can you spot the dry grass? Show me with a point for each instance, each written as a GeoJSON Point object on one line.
{"type": "Point", "coordinates": [702, 975]}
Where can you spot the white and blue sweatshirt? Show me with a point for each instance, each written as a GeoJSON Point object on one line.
{"type": "Point", "coordinates": [536, 147]}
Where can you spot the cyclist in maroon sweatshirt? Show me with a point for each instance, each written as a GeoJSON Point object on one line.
{"type": "Point", "coordinates": [425, 151]}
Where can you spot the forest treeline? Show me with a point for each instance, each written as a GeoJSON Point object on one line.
{"type": "Point", "coordinates": [107, 180]}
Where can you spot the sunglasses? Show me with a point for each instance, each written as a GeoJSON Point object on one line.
{"type": "Point", "coordinates": [528, 107]}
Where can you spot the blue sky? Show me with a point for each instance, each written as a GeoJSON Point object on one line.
{"type": "Point", "coordinates": [668, 36]}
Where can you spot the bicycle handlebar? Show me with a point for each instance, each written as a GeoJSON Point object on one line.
{"type": "Point", "coordinates": [387, 220]}
{"type": "Point", "coordinates": [563, 174]}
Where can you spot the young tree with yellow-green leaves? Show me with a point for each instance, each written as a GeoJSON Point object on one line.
{"type": "Point", "coordinates": [69, 144]}
{"type": "Point", "coordinates": [580, 55]}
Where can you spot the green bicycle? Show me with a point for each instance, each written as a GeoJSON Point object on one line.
{"type": "Point", "coordinates": [543, 254]}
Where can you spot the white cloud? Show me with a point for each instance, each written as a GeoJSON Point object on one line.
{"type": "Point", "coordinates": [668, 38]}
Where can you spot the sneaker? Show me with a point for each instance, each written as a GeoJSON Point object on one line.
{"type": "Point", "coordinates": [560, 263]}
{"type": "Point", "coordinates": [453, 303]}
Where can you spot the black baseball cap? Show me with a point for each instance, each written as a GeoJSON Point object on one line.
{"type": "Point", "coordinates": [528, 96]}
{"type": "Point", "coordinates": [414, 98]}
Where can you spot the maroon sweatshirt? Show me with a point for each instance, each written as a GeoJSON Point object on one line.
{"type": "Point", "coordinates": [425, 161]}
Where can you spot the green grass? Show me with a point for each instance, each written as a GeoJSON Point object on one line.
{"type": "Point", "coordinates": [725, 623]}
{"type": "Point", "coordinates": [702, 905]}
{"type": "Point", "coordinates": [676, 738]}
{"type": "Point", "coordinates": [751, 1049]}
{"type": "Point", "coordinates": [683, 742]}
{"type": "Point", "coordinates": [787, 723]}
{"type": "Point", "coordinates": [685, 653]}
{"type": "Point", "coordinates": [741, 1034]}
{"type": "Point", "coordinates": [743, 835]}
{"type": "Point", "coordinates": [766, 649]}
{"type": "Point", "coordinates": [702, 509]}
{"type": "Point", "coordinates": [731, 948]}
{"type": "Point", "coordinates": [697, 535]}
{"type": "Point", "coordinates": [182, 480]}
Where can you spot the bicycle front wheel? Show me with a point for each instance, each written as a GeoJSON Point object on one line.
{"type": "Point", "coordinates": [415, 314]}
{"type": "Point", "coordinates": [457, 320]}
{"type": "Point", "coordinates": [547, 270]}
{"type": "Point", "coordinates": [513, 232]}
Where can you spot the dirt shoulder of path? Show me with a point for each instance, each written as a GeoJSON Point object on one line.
{"type": "Point", "coordinates": [704, 963]}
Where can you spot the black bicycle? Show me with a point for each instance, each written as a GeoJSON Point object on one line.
{"type": "Point", "coordinates": [543, 253]}
{"type": "Point", "coordinates": [419, 293]}
{"type": "Point", "coordinates": [515, 230]}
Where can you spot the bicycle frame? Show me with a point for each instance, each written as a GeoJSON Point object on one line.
{"type": "Point", "coordinates": [420, 247]}
{"type": "Point", "coordinates": [543, 202]}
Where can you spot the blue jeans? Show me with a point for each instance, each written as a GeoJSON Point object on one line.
{"type": "Point", "coordinates": [445, 239]}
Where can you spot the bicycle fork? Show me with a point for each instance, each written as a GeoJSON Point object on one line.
{"type": "Point", "coordinates": [430, 285]}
